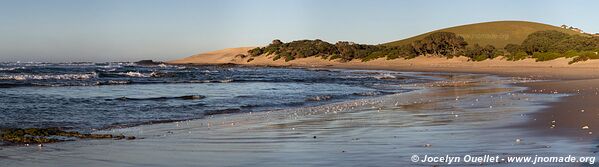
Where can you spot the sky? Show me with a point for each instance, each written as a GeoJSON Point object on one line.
{"type": "Point", "coordinates": [131, 30]}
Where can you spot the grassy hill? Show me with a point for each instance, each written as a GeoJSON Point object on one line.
{"type": "Point", "coordinates": [498, 33]}
{"type": "Point", "coordinates": [477, 42]}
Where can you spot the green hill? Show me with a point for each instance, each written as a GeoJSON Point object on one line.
{"type": "Point", "coordinates": [498, 33]}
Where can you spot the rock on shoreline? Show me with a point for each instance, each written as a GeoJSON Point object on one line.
{"type": "Point", "coordinates": [49, 135]}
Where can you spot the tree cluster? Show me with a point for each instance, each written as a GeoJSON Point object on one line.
{"type": "Point", "coordinates": [542, 45]}
{"type": "Point", "coordinates": [441, 44]}
{"type": "Point", "coordinates": [436, 44]}
{"type": "Point", "coordinates": [549, 45]}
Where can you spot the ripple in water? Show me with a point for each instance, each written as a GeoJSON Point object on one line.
{"type": "Point", "coordinates": [86, 96]}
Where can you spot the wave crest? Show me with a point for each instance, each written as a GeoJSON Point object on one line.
{"type": "Point", "coordinates": [319, 98]}
{"type": "Point", "coordinates": [22, 77]}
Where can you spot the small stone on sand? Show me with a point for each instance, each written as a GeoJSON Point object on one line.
{"type": "Point", "coordinates": [585, 127]}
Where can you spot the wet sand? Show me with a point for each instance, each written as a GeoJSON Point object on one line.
{"type": "Point", "coordinates": [465, 114]}
{"type": "Point", "coordinates": [566, 117]}
{"type": "Point", "coordinates": [569, 115]}
{"type": "Point", "coordinates": [577, 80]}
{"type": "Point", "coordinates": [563, 118]}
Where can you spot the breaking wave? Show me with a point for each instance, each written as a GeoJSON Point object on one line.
{"type": "Point", "coordinates": [319, 98]}
{"type": "Point", "coordinates": [22, 77]}
{"type": "Point", "coordinates": [385, 76]}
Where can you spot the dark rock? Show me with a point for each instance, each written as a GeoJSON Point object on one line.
{"type": "Point", "coordinates": [224, 111]}
{"type": "Point", "coordinates": [119, 137]}
{"type": "Point", "coordinates": [46, 135]}
{"type": "Point", "coordinates": [227, 65]}
{"type": "Point", "coordinates": [148, 62]}
{"type": "Point", "coordinates": [192, 97]}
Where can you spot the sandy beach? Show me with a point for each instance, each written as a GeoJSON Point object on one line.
{"type": "Point", "coordinates": [553, 69]}
{"type": "Point", "coordinates": [460, 114]}
{"type": "Point", "coordinates": [570, 114]}
{"type": "Point", "coordinates": [495, 107]}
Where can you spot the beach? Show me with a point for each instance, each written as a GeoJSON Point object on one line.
{"type": "Point", "coordinates": [448, 108]}
{"type": "Point", "coordinates": [458, 114]}
{"type": "Point", "coordinates": [307, 83]}
{"type": "Point", "coordinates": [570, 114]}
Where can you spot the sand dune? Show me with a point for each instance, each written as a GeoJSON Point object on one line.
{"type": "Point", "coordinates": [214, 57]}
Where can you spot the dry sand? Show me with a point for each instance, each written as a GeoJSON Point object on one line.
{"type": "Point", "coordinates": [569, 115]}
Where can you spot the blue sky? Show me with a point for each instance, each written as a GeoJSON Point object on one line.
{"type": "Point", "coordinates": [130, 30]}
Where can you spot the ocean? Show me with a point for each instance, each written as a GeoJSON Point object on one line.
{"type": "Point", "coordinates": [90, 96]}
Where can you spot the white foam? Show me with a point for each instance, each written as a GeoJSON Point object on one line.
{"type": "Point", "coordinates": [21, 77]}
{"type": "Point", "coordinates": [135, 74]}
{"type": "Point", "coordinates": [385, 76]}
{"type": "Point", "coordinates": [11, 68]}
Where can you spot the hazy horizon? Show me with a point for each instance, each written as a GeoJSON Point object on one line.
{"type": "Point", "coordinates": [112, 30]}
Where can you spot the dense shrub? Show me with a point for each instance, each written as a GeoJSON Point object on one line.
{"type": "Point", "coordinates": [256, 51]}
{"type": "Point", "coordinates": [542, 46]}
{"type": "Point", "coordinates": [513, 49]}
{"type": "Point", "coordinates": [516, 56]}
{"type": "Point", "coordinates": [478, 53]}
{"type": "Point", "coordinates": [441, 44]}
{"type": "Point", "coordinates": [404, 51]}
{"type": "Point", "coordinates": [550, 45]}
{"type": "Point", "coordinates": [584, 56]}
{"type": "Point", "coordinates": [575, 43]}
{"type": "Point", "coordinates": [546, 56]}
{"type": "Point", "coordinates": [348, 51]}
{"type": "Point", "coordinates": [542, 41]}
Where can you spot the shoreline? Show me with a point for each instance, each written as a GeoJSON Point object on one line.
{"type": "Point", "coordinates": [553, 69]}
{"type": "Point", "coordinates": [386, 129]}
{"type": "Point", "coordinates": [566, 117]}
{"type": "Point", "coordinates": [551, 75]}
{"type": "Point", "coordinates": [380, 128]}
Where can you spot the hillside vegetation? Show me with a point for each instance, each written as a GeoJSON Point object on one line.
{"type": "Point", "coordinates": [541, 45]}
{"type": "Point", "coordinates": [497, 34]}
